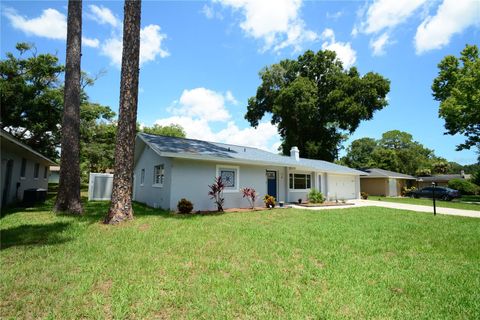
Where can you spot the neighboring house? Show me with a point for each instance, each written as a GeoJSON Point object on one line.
{"type": "Point", "coordinates": [440, 179]}
{"type": "Point", "coordinates": [22, 168]}
{"type": "Point", "coordinates": [54, 176]}
{"type": "Point", "coordinates": [168, 169]}
{"type": "Point", "coordinates": [379, 182]}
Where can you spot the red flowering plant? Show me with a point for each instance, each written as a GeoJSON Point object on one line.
{"type": "Point", "coordinates": [216, 193]}
{"type": "Point", "coordinates": [251, 196]}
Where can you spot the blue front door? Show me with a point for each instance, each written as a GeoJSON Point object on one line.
{"type": "Point", "coordinates": [272, 183]}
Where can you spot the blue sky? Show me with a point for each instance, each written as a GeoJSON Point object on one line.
{"type": "Point", "coordinates": [200, 60]}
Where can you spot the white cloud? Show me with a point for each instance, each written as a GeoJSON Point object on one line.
{"type": "Point", "coordinates": [197, 108]}
{"type": "Point", "coordinates": [275, 22]}
{"type": "Point", "coordinates": [150, 46]}
{"type": "Point", "coordinates": [344, 50]}
{"type": "Point", "coordinates": [230, 98]}
{"type": "Point", "coordinates": [386, 14]}
{"type": "Point", "coordinates": [50, 24]}
{"type": "Point", "coordinates": [151, 43]}
{"type": "Point", "coordinates": [452, 17]}
{"type": "Point", "coordinates": [93, 43]}
{"type": "Point", "coordinates": [202, 103]}
{"type": "Point", "coordinates": [383, 16]}
{"type": "Point", "coordinates": [112, 48]}
{"type": "Point", "coordinates": [334, 15]}
{"type": "Point", "coordinates": [210, 13]}
{"type": "Point", "coordinates": [378, 45]}
{"type": "Point", "coordinates": [103, 15]}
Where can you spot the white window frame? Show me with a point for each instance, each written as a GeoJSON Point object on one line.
{"type": "Point", "coordinates": [236, 169]}
{"type": "Point", "coordinates": [36, 170]}
{"type": "Point", "coordinates": [162, 175]}
{"type": "Point", "coordinates": [299, 173]}
{"type": "Point", "coordinates": [142, 177]}
{"type": "Point", "coordinates": [23, 169]}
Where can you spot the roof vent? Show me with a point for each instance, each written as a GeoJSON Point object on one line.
{"type": "Point", "coordinates": [295, 153]}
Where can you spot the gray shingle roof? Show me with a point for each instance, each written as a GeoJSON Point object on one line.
{"type": "Point", "coordinates": [198, 149]}
{"type": "Point", "coordinates": [442, 177]}
{"type": "Point", "coordinates": [380, 173]}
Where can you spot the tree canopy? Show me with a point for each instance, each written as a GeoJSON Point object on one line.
{"type": "Point", "coordinates": [31, 98]}
{"type": "Point", "coordinates": [315, 102]}
{"type": "Point", "coordinates": [32, 107]}
{"type": "Point", "coordinates": [172, 130]}
{"type": "Point", "coordinates": [457, 87]}
{"type": "Point", "coordinates": [395, 151]}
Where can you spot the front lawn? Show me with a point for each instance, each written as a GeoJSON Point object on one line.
{"type": "Point", "coordinates": [457, 203]}
{"type": "Point", "coordinates": [365, 262]}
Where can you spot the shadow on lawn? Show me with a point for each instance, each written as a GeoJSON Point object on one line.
{"type": "Point", "coordinates": [34, 234]}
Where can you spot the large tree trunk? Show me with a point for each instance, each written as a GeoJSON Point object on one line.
{"type": "Point", "coordinates": [68, 198]}
{"type": "Point", "coordinates": [121, 205]}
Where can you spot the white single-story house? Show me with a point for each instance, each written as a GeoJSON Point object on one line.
{"type": "Point", "coordinates": [22, 168]}
{"type": "Point", "coordinates": [379, 182]}
{"type": "Point", "coordinates": [168, 169]}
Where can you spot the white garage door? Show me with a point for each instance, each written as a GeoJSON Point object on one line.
{"type": "Point", "coordinates": [341, 187]}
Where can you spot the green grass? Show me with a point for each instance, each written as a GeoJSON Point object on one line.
{"type": "Point", "coordinates": [355, 263]}
{"type": "Point", "coordinates": [457, 203]}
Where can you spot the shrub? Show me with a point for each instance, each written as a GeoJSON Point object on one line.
{"type": "Point", "coordinates": [364, 195]}
{"type": "Point", "coordinates": [216, 193]}
{"type": "Point", "coordinates": [406, 190]}
{"type": "Point", "coordinates": [184, 206]}
{"type": "Point", "coordinates": [251, 196]}
{"type": "Point", "coordinates": [464, 186]}
{"type": "Point", "coordinates": [269, 201]}
{"type": "Point", "coordinates": [315, 196]}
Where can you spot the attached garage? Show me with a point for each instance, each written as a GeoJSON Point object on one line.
{"type": "Point", "coordinates": [342, 187]}
{"type": "Point", "coordinates": [381, 182]}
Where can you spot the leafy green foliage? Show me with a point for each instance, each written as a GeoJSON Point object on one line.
{"type": "Point", "coordinates": [269, 201]}
{"type": "Point", "coordinates": [395, 151]}
{"type": "Point", "coordinates": [457, 87]}
{"type": "Point", "coordinates": [184, 206]}
{"type": "Point", "coordinates": [315, 102]}
{"type": "Point", "coordinates": [32, 105]}
{"type": "Point", "coordinates": [464, 186]}
{"type": "Point", "coordinates": [31, 98]}
{"type": "Point", "coordinates": [315, 196]}
{"type": "Point", "coordinates": [173, 130]}
{"type": "Point", "coordinates": [97, 139]}
{"type": "Point", "coordinates": [359, 153]}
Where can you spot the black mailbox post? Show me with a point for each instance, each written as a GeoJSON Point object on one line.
{"type": "Point", "coordinates": [433, 196]}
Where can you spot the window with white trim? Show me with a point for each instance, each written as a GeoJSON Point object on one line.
{"type": "Point", "coordinates": [300, 181]}
{"type": "Point", "coordinates": [229, 175]}
{"type": "Point", "coordinates": [23, 168]}
{"type": "Point", "coordinates": [142, 177]}
{"type": "Point", "coordinates": [158, 175]}
{"type": "Point", "coordinates": [35, 170]}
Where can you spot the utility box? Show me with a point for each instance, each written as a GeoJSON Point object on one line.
{"type": "Point", "coordinates": [32, 196]}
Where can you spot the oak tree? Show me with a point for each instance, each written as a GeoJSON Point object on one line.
{"type": "Point", "coordinates": [315, 102]}
{"type": "Point", "coordinates": [457, 87]}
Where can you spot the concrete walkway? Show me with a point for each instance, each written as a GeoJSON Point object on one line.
{"type": "Point", "coordinates": [401, 206]}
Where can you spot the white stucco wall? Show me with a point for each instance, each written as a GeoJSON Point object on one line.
{"type": "Point", "coordinates": [147, 193]}
{"type": "Point", "coordinates": [192, 177]}
{"type": "Point", "coordinates": [15, 194]}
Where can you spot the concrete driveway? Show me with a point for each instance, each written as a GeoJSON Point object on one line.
{"type": "Point", "coordinates": [402, 206]}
